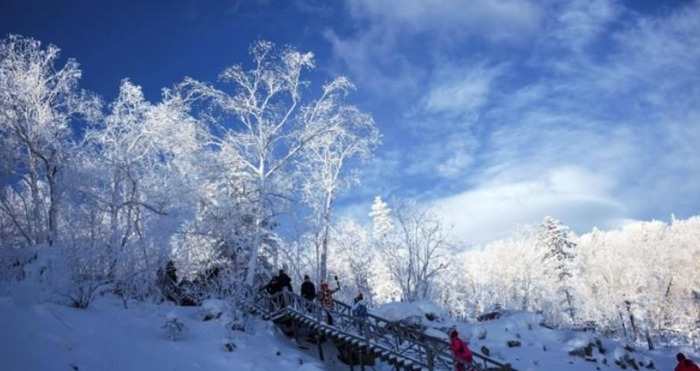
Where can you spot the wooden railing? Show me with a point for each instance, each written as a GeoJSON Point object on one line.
{"type": "Point", "coordinates": [385, 337]}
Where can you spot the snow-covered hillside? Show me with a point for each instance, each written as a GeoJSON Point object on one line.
{"type": "Point", "coordinates": [47, 336]}
{"type": "Point", "coordinates": [523, 340]}
{"type": "Point", "coordinates": [39, 335]}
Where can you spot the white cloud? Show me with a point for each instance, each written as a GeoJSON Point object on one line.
{"type": "Point", "coordinates": [446, 156]}
{"type": "Point", "coordinates": [575, 24]}
{"type": "Point", "coordinates": [444, 116]}
{"type": "Point", "coordinates": [374, 63]}
{"type": "Point", "coordinates": [574, 195]}
{"type": "Point", "coordinates": [498, 20]}
{"type": "Point", "coordinates": [460, 90]}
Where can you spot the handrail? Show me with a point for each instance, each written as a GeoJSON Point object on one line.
{"type": "Point", "coordinates": [374, 331]}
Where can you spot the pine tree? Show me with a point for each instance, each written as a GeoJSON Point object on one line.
{"type": "Point", "coordinates": [381, 218]}
{"type": "Point", "coordinates": [559, 260]}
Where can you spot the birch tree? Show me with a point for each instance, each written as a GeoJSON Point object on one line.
{"type": "Point", "coordinates": [38, 101]}
{"type": "Point", "coordinates": [272, 124]}
{"type": "Point", "coordinates": [415, 249]}
{"type": "Point", "coordinates": [352, 256]}
{"type": "Point", "coordinates": [324, 161]}
{"type": "Point", "coordinates": [143, 156]}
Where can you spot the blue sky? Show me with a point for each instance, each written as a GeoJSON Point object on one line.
{"type": "Point", "coordinates": [500, 111]}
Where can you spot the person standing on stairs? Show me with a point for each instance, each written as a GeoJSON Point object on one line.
{"type": "Point", "coordinates": [461, 351]}
{"type": "Point", "coordinates": [308, 292]}
{"type": "Point", "coordinates": [359, 311]}
{"type": "Point", "coordinates": [326, 297]}
{"type": "Point", "coordinates": [284, 282]}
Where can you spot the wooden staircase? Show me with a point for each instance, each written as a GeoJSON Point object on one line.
{"type": "Point", "coordinates": [374, 337]}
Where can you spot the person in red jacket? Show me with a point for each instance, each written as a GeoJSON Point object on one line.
{"type": "Point", "coordinates": [685, 364]}
{"type": "Point", "coordinates": [461, 352]}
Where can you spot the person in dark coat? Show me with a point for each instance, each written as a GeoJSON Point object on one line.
{"type": "Point", "coordinates": [685, 364]}
{"type": "Point", "coordinates": [308, 292]}
{"type": "Point", "coordinates": [273, 286]}
{"type": "Point", "coordinates": [284, 281]}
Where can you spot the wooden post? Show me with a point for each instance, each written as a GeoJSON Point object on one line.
{"type": "Point", "coordinates": [318, 343]}
{"type": "Point", "coordinates": [285, 299]}
{"type": "Point", "coordinates": [295, 328]}
{"type": "Point", "coordinates": [431, 359]}
{"type": "Point", "coordinates": [318, 331]}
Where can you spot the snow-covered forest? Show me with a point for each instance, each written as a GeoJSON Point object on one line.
{"type": "Point", "coordinates": [638, 284]}
{"type": "Point", "coordinates": [229, 181]}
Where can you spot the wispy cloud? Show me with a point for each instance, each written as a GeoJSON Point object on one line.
{"type": "Point", "coordinates": [372, 58]}
{"type": "Point", "coordinates": [496, 20]}
{"type": "Point", "coordinates": [386, 50]}
{"type": "Point", "coordinates": [460, 91]}
{"type": "Point", "coordinates": [590, 113]}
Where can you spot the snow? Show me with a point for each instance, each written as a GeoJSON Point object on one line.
{"type": "Point", "coordinates": [541, 349]}
{"type": "Point", "coordinates": [42, 335]}
{"type": "Point", "coordinates": [171, 316]}
{"type": "Point", "coordinates": [48, 336]}
{"type": "Point", "coordinates": [212, 308]}
{"type": "Point", "coordinates": [417, 312]}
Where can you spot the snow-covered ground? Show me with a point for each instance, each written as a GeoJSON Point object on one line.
{"type": "Point", "coordinates": [36, 334]}
{"type": "Point", "coordinates": [538, 348]}
{"type": "Point", "coordinates": [48, 336]}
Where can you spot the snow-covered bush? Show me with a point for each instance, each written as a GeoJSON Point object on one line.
{"type": "Point", "coordinates": [173, 326]}
{"type": "Point", "coordinates": [212, 309]}
{"type": "Point", "coordinates": [13, 260]}
{"type": "Point", "coordinates": [71, 274]}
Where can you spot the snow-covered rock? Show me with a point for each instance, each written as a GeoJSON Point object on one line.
{"type": "Point", "coordinates": [424, 313]}
{"type": "Point", "coordinates": [212, 308]}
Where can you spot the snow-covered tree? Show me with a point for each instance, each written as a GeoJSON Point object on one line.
{"type": "Point", "coordinates": [414, 250]}
{"type": "Point", "coordinates": [559, 260]}
{"type": "Point", "coordinates": [351, 258]}
{"type": "Point", "coordinates": [382, 224]}
{"type": "Point", "coordinates": [324, 161]}
{"type": "Point", "coordinates": [274, 125]}
{"type": "Point", "coordinates": [139, 168]}
{"type": "Point", "coordinates": [38, 101]}
{"type": "Point", "coordinates": [384, 287]}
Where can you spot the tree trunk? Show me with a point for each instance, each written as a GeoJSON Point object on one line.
{"type": "Point", "coordinates": [325, 234]}
{"type": "Point", "coordinates": [628, 306]}
{"type": "Point", "coordinates": [113, 215]}
{"type": "Point", "coordinates": [36, 200]}
{"type": "Point", "coordinates": [51, 174]}
{"type": "Point", "coordinates": [622, 323]}
{"type": "Point", "coordinates": [570, 305]}
{"type": "Point", "coordinates": [257, 237]}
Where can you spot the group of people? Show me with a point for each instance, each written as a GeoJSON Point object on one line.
{"type": "Point", "coordinates": [459, 347]}
{"type": "Point", "coordinates": [308, 292]}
